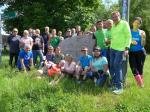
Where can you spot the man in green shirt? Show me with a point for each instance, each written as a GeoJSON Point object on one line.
{"type": "Point", "coordinates": [54, 40]}
{"type": "Point", "coordinates": [120, 42]}
{"type": "Point", "coordinates": [100, 37]}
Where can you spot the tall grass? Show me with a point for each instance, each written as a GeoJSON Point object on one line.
{"type": "Point", "coordinates": [20, 92]}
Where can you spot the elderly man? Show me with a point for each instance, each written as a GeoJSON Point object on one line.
{"type": "Point", "coordinates": [13, 42]}
{"type": "Point", "coordinates": [120, 42]}
{"type": "Point", "coordinates": [25, 59]}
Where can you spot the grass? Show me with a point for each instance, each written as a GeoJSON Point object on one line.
{"type": "Point", "coordinates": [23, 93]}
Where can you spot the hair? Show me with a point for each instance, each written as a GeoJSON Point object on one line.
{"type": "Point", "coordinates": [139, 19]}
{"type": "Point", "coordinates": [15, 29]}
{"type": "Point", "coordinates": [110, 20]}
{"type": "Point", "coordinates": [99, 21]}
{"type": "Point", "coordinates": [26, 31]}
{"type": "Point", "coordinates": [37, 31]}
{"type": "Point", "coordinates": [116, 12]}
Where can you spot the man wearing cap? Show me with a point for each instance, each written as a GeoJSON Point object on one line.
{"type": "Point", "coordinates": [13, 42]}
{"type": "Point", "coordinates": [25, 59]}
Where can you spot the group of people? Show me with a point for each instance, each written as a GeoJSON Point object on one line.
{"type": "Point", "coordinates": [114, 42]}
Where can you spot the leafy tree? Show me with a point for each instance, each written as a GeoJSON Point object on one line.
{"type": "Point", "coordinates": [59, 14]}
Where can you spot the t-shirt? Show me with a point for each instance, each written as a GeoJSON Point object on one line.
{"type": "Point", "coordinates": [136, 36]}
{"type": "Point", "coordinates": [38, 41]}
{"type": "Point", "coordinates": [45, 38]}
{"type": "Point", "coordinates": [26, 56]}
{"type": "Point", "coordinates": [13, 42]}
{"type": "Point", "coordinates": [100, 38]}
{"type": "Point", "coordinates": [26, 41]}
{"type": "Point", "coordinates": [120, 36]}
{"type": "Point", "coordinates": [54, 41]}
{"type": "Point", "coordinates": [50, 57]}
{"type": "Point", "coordinates": [58, 58]}
{"type": "Point", "coordinates": [85, 61]}
{"type": "Point", "coordinates": [69, 67]}
{"type": "Point", "coordinates": [99, 63]}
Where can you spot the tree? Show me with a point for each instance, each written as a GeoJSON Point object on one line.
{"type": "Point", "coordinates": [59, 14]}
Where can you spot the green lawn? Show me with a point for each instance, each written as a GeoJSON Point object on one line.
{"type": "Point", "coordinates": [23, 93]}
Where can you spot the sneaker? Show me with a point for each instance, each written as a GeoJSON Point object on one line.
{"type": "Point", "coordinates": [118, 91]}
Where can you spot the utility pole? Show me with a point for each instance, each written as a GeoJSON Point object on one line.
{"type": "Point", "coordinates": [0, 35]}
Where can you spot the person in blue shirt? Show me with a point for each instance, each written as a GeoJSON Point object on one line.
{"type": "Point", "coordinates": [99, 67]}
{"type": "Point", "coordinates": [84, 65]}
{"type": "Point", "coordinates": [25, 59]}
{"type": "Point", "coordinates": [137, 53]}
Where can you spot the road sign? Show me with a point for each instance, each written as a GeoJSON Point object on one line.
{"type": "Point", "coordinates": [8, 15]}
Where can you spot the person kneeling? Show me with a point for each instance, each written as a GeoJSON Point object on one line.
{"type": "Point", "coordinates": [25, 59]}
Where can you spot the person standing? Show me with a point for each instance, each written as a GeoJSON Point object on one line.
{"type": "Point", "coordinates": [26, 40]}
{"type": "Point", "coordinates": [137, 53]}
{"type": "Point", "coordinates": [46, 37]}
{"type": "Point", "coordinates": [38, 47]}
{"type": "Point", "coordinates": [54, 40]}
{"type": "Point", "coordinates": [120, 43]}
{"type": "Point", "coordinates": [100, 36]}
{"type": "Point", "coordinates": [13, 42]}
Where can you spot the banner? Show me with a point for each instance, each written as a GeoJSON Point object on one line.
{"type": "Point", "coordinates": [125, 10]}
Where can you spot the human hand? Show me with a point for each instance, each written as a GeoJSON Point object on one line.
{"type": "Point", "coordinates": [134, 42]}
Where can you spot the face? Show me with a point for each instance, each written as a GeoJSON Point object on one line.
{"type": "Point", "coordinates": [84, 52]}
{"type": "Point", "coordinates": [80, 34]}
{"type": "Point", "coordinates": [53, 32]}
{"type": "Point", "coordinates": [136, 24]}
{"type": "Point", "coordinates": [50, 50]}
{"type": "Point", "coordinates": [15, 32]}
{"type": "Point", "coordinates": [46, 29]}
{"type": "Point", "coordinates": [104, 24]}
{"type": "Point", "coordinates": [73, 30]}
{"type": "Point", "coordinates": [57, 50]}
{"type": "Point", "coordinates": [96, 53]}
{"type": "Point", "coordinates": [37, 32]}
{"type": "Point", "coordinates": [27, 50]}
{"type": "Point", "coordinates": [109, 24]}
{"type": "Point", "coordinates": [99, 25]}
{"type": "Point", "coordinates": [60, 33]}
{"type": "Point", "coordinates": [93, 28]}
{"type": "Point", "coordinates": [78, 28]}
{"type": "Point", "coordinates": [68, 33]}
{"type": "Point", "coordinates": [25, 34]}
{"type": "Point", "coordinates": [116, 17]}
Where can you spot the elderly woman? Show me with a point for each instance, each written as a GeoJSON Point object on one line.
{"type": "Point", "coordinates": [69, 66]}
{"type": "Point", "coordinates": [25, 59]}
{"type": "Point", "coordinates": [99, 67]}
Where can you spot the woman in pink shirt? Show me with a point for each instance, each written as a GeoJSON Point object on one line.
{"type": "Point", "coordinates": [26, 40]}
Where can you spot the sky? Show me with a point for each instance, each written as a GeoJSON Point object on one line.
{"type": "Point", "coordinates": [113, 1]}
